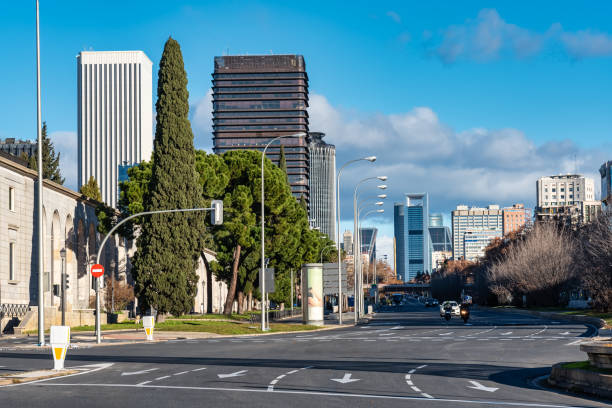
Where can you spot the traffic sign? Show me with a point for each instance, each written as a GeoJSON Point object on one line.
{"type": "Point", "coordinates": [97, 270]}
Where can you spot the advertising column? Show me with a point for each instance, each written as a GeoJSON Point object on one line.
{"type": "Point", "coordinates": [312, 288]}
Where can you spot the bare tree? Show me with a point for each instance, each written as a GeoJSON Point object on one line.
{"type": "Point", "coordinates": [539, 266]}
{"type": "Point", "coordinates": [595, 260]}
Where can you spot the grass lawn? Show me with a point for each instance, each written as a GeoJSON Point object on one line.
{"type": "Point", "coordinates": [225, 327]}
{"type": "Point", "coordinates": [585, 365]}
{"type": "Point", "coordinates": [203, 325]}
{"type": "Point", "coordinates": [210, 316]}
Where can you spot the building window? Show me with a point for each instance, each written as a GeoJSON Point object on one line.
{"type": "Point", "coordinates": [12, 261]}
{"type": "Point", "coordinates": [11, 198]}
{"type": "Point", "coordinates": [562, 189]}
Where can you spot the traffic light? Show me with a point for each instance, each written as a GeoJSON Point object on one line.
{"type": "Point", "coordinates": [66, 281]}
{"type": "Point", "coordinates": [216, 215]}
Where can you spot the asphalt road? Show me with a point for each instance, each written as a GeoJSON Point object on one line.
{"type": "Point", "coordinates": [407, 357]}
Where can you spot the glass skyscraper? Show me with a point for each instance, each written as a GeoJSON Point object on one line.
{"type": "Point", "coordinates": [322, 180]}
{"type": "Point", "coordinates": [368, 242]}
{"type": "Point", "coordinates": [411, 231]}
{"type": "Point", "coordinates": [257, 98]}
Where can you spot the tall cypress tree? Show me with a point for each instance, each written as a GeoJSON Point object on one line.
{"type": "Point", "coordinates": [51, 162]}
{"type": "Point", "coordinates": [282, 162]}
{"type": "Point", "coordinates": [169, 244]}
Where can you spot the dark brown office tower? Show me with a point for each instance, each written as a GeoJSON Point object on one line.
{"type": "Point", "coordinates": [257, 98]}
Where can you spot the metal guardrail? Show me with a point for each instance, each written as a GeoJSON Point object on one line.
{"type": "Point", "coordinates": [282, 314]}
{"type": "Point", "coordinates": [13, 309]}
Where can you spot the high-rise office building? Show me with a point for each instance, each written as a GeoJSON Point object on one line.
{"type": "Point", "coordinates": [568, 198]}
{"type": "Point", "coordinates": [19, 148]}
{"type": "Point", "coordinates": [347, 242]}
{"type": "Point", "coordinates": [515, 218]}
{"type": "Point", "coordinates": [368, 242]}
{"type": "Point", "coordinates": [257, 98]}
{"type": "Point", "coordinates": [474, 223]}
{"type": "Point", "coordinates": [606, 183]}
{"type": "Point", "coordinates": [476, 241]}
{"type": "Point", "coordinates": [441, 241]}
{"type": "Point", "coordinates": [411, 233]}
{"type": "Point", "coordinates": [436, 220]}
{"type": "Point", "coordinates": [322, 181]}
{"type": "Point", "coordinates": [115, 116]}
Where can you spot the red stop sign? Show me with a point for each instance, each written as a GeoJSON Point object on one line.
{"type": "Point", "coordinates": [97, 270]}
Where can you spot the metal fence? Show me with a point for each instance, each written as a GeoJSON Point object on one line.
{"type": "Point", "coordinates": [282, 314]}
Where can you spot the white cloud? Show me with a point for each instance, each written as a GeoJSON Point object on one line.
{"type": "Point", "coordinates": [419, 153]}
{"type": "Point", "coordinates": [488, 36]}
{"type": "Point", "coordinates": [66, 143]}
{"type": "Point", "coordinates": [394, 16]}
{"type": "Point", "coordinates": [586, 43]}
{"type": "Point", "coordinates": [201, 122]}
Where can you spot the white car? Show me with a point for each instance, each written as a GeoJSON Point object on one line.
{"type": "Point", "coordinates": [455, 309]}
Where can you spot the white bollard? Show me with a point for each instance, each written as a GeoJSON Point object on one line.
{"type": "Point", "coordinates": [59, 340]}
{"type": "Point", "coordinates": [148, 322]}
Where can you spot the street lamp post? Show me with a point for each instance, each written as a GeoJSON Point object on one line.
{"type": "Point", "coordinates": [63, 256]}
{"type": "Point", "coordinates": [371, 159]}
{"type": "Point", "coordinates": [262, 275]}
{"type": "Point", "coordinates": [357, 243]}
{"type": "Point", "coordinates": [216, 222]}
{"type": "Point", "coordinates": [39, 185]}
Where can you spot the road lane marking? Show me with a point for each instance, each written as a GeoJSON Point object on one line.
{"type": "Point", "coordinates": [485, 331]}
{"type": "Point", "coordinates": [236, 374]}
{"type": "Point", "coordinates": [139, 372]}
{"type": "Point", "coordinates": [538, 332]}
{"type": "Point", "coordinates": [277, 379]}
{"type": "Point", "coordinates": [162, 378]}
{"type": "Point", "coordinates": [181, 373]}
{"type": "Point", "coordinates": [505, 334]}
{"type": "Point", "coordinates": [575, 342]}
{"type": "Point", "coordinates": [452, 401]}
{"type": "Point", "coordinates": [421, 366]}
{"type": "Point", "coordinates": [199, 369]}
{"type": "Point", "coordinates": [445, 334]}
{"type": "Point", "coordinates": [346, 379]}
{"type": "Point", "coordinates": [144, 383]}
{"type": "Point", "coordinates": [416, 389]}
{"type": "Point", "coordinates": [478, 386]}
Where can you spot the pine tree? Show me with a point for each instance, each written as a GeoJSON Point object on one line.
{"type": "Point", "coordinates": [51, 162]}
{"type": "Point", "coordinates": [169, 245]}
{"type": "Point", "coordinates": [91, 190]}
{"type": "Point", "coordinates": [282, 162]}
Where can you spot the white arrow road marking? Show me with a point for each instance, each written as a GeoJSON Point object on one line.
{"type": "Point", "coordinates": [478, 386]}
{"type": "Point", "coordinates": [346, 379]}
{"type": "Point", "coordinates": [140, 372]}
{"type": "Point", "coordinates": [236, 374]}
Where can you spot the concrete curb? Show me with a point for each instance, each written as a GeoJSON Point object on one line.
{"type": "Point", "coordinates": [594, 321]}
{"type": "Point", "coordinates": [578, 380]}
{"type": "Point", "coordinates": [176, 335]}
{"type": "Point", "coordinates": [30, 376]}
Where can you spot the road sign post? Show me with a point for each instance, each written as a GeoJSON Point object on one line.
{"type": "Point", "coordinates": [59, 340]}
{"type": "Point", "coordinates": [97, 271]}
{"type": "Point", "coordinates": [148, 322]}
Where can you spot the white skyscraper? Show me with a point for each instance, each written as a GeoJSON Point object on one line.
{"type": "Point", "coordinates": [115, 123]}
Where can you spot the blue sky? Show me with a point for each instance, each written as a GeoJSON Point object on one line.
{"type": "Point", "coordinates": [467, 102]}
